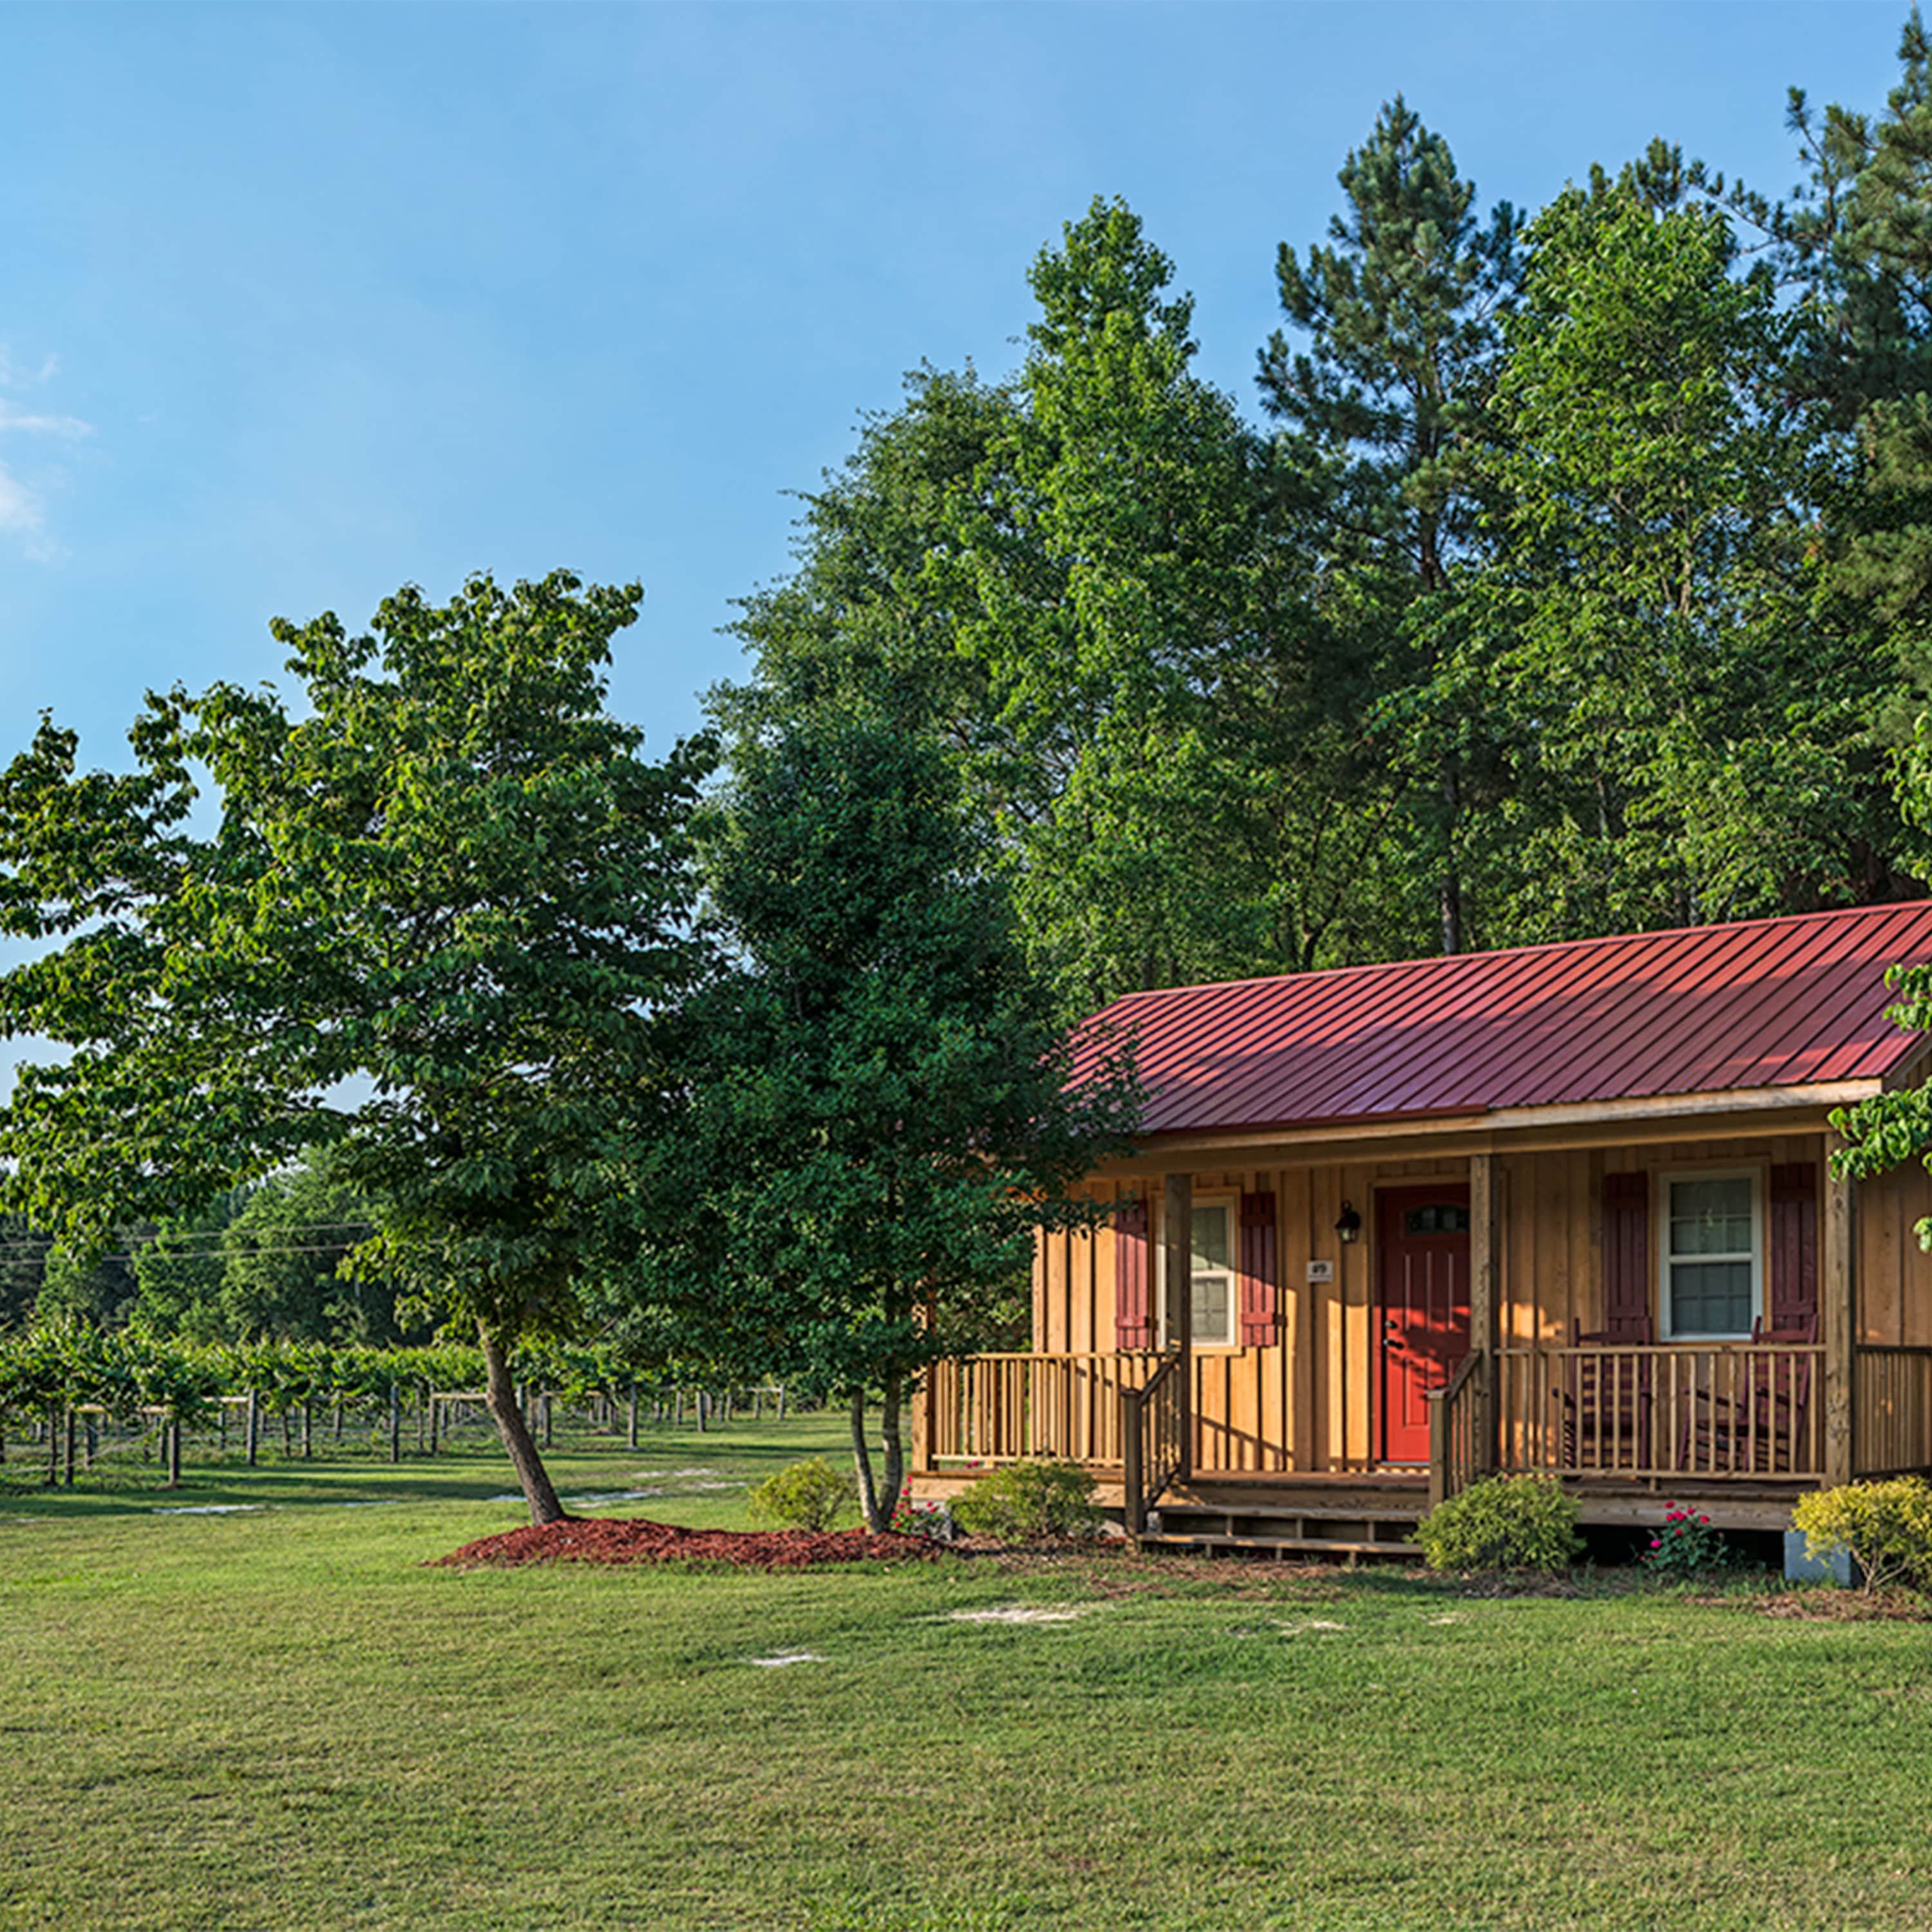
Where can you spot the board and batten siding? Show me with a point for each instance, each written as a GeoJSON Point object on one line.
{"type": "Point", "coordinates": [1306, 1401]}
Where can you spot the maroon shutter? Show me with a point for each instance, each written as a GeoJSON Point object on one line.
{"type": "Point", "coordinates": [1626, 1256]}
{"type": "Point", "coordinates": [1258, 1271]}
{"type": "Point", "coordinates": [1133, 1308]}
{"type": "Point", "coordinates": [1793, 1241]}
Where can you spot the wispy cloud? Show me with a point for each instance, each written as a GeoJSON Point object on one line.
{"type": "Point", "coordinates": [13, 377]}
{"type": "Point", "coordinates": [18, 511]}
{"type": "Point", "coordinates": [11, 418]}
{"type": "Point", "coordinates": [22, 499]}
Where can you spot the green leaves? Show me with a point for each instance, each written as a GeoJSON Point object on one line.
{"type": "Point", "coordinates": [448, 878]}
{"type": "Point", "coordinates": [879, 1113]}
{"type": "Point", "coordinates": [1693, 723]}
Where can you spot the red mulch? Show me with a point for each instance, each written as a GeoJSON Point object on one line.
{"type": "Point", "coordinates": [599, 1539]}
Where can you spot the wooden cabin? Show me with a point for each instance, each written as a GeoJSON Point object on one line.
{"type": "Point", "coordinates": [1566, 1208]}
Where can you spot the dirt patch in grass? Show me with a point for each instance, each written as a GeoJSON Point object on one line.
{"type": "Point", "coordinates": [1834, 1606]}
{"type": "Point", "coordinates": [632, 1539]}
{"type": "Point", "coordinates": [1115, 1569]}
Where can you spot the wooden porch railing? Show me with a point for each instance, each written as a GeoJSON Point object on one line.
{"type": "Point", "coordinates": [1717, 1411]}
{"type": "Point", "coordinates": [997, 1408]}
{"type": "Point", "coordinates": [1457, 1453]}
{"type": "Point", "coordinates": [1892, 1408]}
{"type": "Point", "coordinates": [1153, 1421]}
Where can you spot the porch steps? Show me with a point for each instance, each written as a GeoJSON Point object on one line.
{"type": "Point", "coordinates": [1343, 1532]}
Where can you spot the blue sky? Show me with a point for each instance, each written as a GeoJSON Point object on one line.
{"type": "Point", "coordinates": [304, 303]}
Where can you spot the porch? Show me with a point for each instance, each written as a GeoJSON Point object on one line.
{"type": "Point", "coordinates": [1739, 1429]}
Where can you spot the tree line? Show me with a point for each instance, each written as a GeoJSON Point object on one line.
{"type": "Point", "coordinates": [1573, 579]}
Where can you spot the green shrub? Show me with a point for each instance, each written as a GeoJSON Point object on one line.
{"type": "Point", "coordinates": [1503, 1522]}
{"type": "Point", "coordinates": [1887, 1527]}
{"type": "Point", "coordinates": [1026, 1502]}
{"type": "Point", "coordinates": [811, 1495]}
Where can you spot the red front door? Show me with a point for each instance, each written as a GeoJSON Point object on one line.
{"type": "Point", "coordinates": [1422, 1312]}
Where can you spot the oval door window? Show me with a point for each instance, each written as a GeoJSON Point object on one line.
{"type": "Point", "coordinates": [1439, 1217]}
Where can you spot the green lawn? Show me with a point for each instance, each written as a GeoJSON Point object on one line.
{"type": "Point", "coordinates": [282, 1718]}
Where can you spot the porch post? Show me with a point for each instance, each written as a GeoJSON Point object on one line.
{"type": "Point", "coordinates": [1483, 1301]}
{"type": "Point", "coordinates": [1838, 1291]}
{"type": "Point", "coordinates": [921, 1422]}
{"type": "Point", "coordinates": [1177, 1260]}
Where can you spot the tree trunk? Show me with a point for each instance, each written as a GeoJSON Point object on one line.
{"type": "Point", "coordinates": [630, 1432]}
{"type": "Point", "coordinates": [862, 1460]}
{"type": "Point", "coordinates": [1450, 891]}
{"type": "Point", "coordinates": [893, 1438]}
{"type": "Point", "coordinates": [174, 1451]}
{"type": "Point", "coordinates": [501, 1395]}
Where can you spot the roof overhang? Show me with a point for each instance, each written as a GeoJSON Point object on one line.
{"type": "Point", "coordinates": [1751, 1112]}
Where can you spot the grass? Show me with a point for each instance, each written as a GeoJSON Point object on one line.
{"type": "Point", "coordinates": [283, 1718]}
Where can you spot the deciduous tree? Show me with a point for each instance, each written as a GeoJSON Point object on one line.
{"type": "Point", "coordinates": [880, 1112]}
{"type": "Point", "coordinates": [434, 924]}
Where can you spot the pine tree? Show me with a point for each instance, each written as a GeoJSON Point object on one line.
{"type": "Point", "coordinates": [1382, 412]}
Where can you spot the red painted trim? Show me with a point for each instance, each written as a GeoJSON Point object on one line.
{"type": "Point", "coordinates": [1260, 1278]}
{"type": "Point", "coordinates": [1792, 1238]}
{"type": "Point", "coordinates": [1626, 1256]}
{"type": "Point", "coordinates": [1133, 1306]}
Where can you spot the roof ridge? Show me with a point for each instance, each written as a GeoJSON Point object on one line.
{"type": "Point", "coordinates": [1454, 959]}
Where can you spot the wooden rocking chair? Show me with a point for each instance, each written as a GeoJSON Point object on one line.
{"type": "Point", "coordinates": [1606, 1399]}
{"type": "Point", "coordinates": [1756, 1424]}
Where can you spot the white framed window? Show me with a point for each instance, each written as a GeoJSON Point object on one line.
{"type": "Point", "coordinates": [1711, 1253]}
{"type": "Point", "coordinates": [1212, 1277]}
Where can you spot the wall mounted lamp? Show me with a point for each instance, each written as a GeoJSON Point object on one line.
{"type": "Point", "coordinates": [1349, 1225]}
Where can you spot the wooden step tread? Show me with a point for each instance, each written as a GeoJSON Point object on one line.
{"type": "Point", "coordinates": [1318, 1513]}
{"type": "Point", "coordinates": [1308, 1546]}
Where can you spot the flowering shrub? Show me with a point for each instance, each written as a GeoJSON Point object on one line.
{"type": "Point", "coordinates": [932, 1520]}
{"type": "Point", "coordinates": [1502, 1522]}
{"type": "Point", "coordinates": [1687, 1545]}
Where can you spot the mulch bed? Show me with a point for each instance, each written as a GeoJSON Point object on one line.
{"type": "Point", "coordinates": [598, 1539]}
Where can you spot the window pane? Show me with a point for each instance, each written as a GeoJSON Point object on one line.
{"type": "Point", "coordinates": [1211, 1308]}
{"type": "Point", "coordinates": [1442, 1219]}
{"type": "Point", "coordinates": [1210, 1237]}
{"type": "Point", "coordinates": [1711, 1217]}
{"type": "Point", "coordinates": [1711, 1298]}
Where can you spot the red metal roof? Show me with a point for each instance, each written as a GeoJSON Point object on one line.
{"type": "Point", "coordinates": [1764, 1002]}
